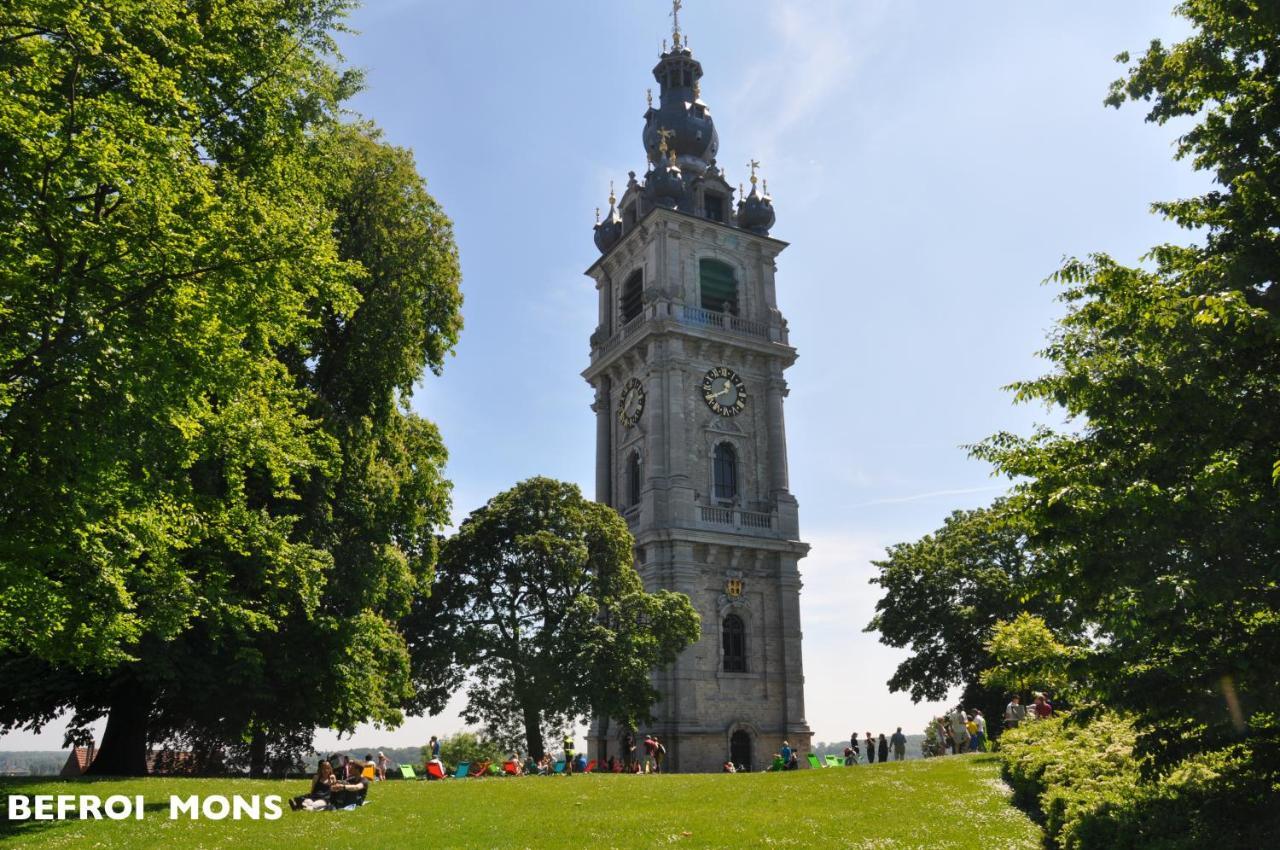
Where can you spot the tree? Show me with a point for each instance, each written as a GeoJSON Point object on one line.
{"type": "Point", "coordinates": [238, 293]}
{"type": "Point", "coordinates": [537, 601]}
{"type": "Point", "coordinates": [1027, 657]}
{"type": "Point", "coordinates": [1156, 513]}
{"type": "Point", "coordinates": [465, 746]}
{"type": "Point", "coordinates": [944, 593]}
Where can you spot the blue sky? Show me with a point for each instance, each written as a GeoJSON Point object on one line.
{"type": "Point", "coordinates": [930, 164]}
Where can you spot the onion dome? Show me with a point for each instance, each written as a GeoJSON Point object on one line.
{"type": "Point", "coordinates": [609, 231]}
{"type": "Point", "coordinates": [666, 182]}
{"type": "Point", "coordinates": [681, 119]}
{"type": "Point", "coordinates": [755, 212]}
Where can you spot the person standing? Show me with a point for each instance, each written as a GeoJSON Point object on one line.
{"type": "Point", "coordinates": [785, 752]}
{"type": "Point", "coordinates": [981, 723]}
{"type": "Point", "coordinates": [435, 748]}
{"type": "Point", "coordinates": [1014, 713]}
{"type": "Point", "coordinates": [650, 748]}
{"type": "Point", "coordinates": [628, 750]}
{"type": "Point", "coordinates": [659, 754]}
{"type": "Point", "coordinates": [871, 749]}
{"type": "Point", "coordinates": [899, 742]}
{"type": "Point", "coordinates": [1043, 708]}
{"type": "Point", "coordinates": [568, 754]}
{"type": "Point", "coordinates": [959, 731]}
{"type": "Point", "coordinates": [853, 745]}
{"type": "Point", "coordinates": [883, 750]}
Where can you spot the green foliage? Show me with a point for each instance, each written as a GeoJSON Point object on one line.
{"type": "Point", "coordinates": [1088, 784]}
{"type": "Point", "coordinates": [537, 601]}
{"type": "Point", "coordinates": [944, 593]}
{"type": "Point", "coordinates": [466, 746]}
{"type": "Point", "coordinates": [1156, 513]}
{"type": "Point", "coordinates": [1027, 657]}
{"type": "Point", "coordinates": [215, 301]}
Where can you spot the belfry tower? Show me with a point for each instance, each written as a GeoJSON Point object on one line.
{"type": "Point", "coordinates": [687, 363]}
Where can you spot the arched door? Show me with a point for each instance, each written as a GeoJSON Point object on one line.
{"type": "Point", "coordinates": [740, 749]}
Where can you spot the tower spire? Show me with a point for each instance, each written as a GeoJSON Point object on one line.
{"type": "Point", "coordinates": [676, 6]}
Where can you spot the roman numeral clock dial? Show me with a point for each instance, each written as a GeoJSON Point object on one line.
{"type": "Point", "coordinates": [632, 404]}
{"type": "Point", "coordinates": [724, 392]}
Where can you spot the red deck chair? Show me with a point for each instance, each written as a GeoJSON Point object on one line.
{"type": "Point", "coordinates": [617, 767]}
{"type": "Point", "coordinates": [510, 768]}
{"type": "Point", "coordinates": [434, 770]}
{"type": "Point", "coordinates": [591, 765]}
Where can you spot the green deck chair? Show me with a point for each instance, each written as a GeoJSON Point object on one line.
{"type": "Point", "coordinates": [813, 761]}
{"type": "Point", "coordinates": [406, 772]}
{"type": "Point", "coordinates": [835, 761]}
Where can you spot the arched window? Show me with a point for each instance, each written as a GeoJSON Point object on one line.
{"type": "Point", "coordinates": [633, 479]}
{"type": "Point", "coordinates": [719, 290]}
{"type": "Point", "coordinates": [725, 472]}
{"type": "Point", "coordinates": [734, 638]}
{"type": "Point", "coordinates": [632, 296]}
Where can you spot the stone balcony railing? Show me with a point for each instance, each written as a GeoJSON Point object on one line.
{"type": "Point", "coordinates": [733, 519]}
{"type": "Point", "coordinates": [692, 317]}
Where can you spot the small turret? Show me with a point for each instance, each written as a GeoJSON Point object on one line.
{"type": "Point", "coordinates": [609, 231]}
{"type": "Point", "coordinates": [755, 211]}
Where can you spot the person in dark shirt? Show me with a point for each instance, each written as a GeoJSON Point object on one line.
{"type": "Point", "coordinates": [871, 750]}
{"type": "Point", "coordinates": [883, 749]}
{"type": "Point", "coordinates": [349, 793]}
{"type": "Point", "coordinates": [318, 797]}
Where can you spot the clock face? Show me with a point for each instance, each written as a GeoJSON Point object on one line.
{"type": "Point", "coordinates": [631, 404]}
{"type": "Point", "coordinates": [724, 392]}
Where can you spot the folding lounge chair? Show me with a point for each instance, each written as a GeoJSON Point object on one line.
{"type": "Point", "coordinates": [558, 767]}
{"type": "Point", "coordinates": [835, 761]}
{"type": "Point", "coordinates": [461, 772]}
{"type": "Point", "coordinates": [369, 772]}
{"type": "Point", "coordinates": [434, 771]}
{"type": "Point", "coordinates": [406, 772]}
{"type": "Point", "coordinates": [510, 768]}
{"type": "Point", "coordinates": [591, 765]}
{"type": "Point", "coordinates": [479, 769]}
{"type": "Point", "coordinates": [813, 761]}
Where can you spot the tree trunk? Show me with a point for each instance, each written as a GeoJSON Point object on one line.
{"type": "Point", "coordinates": [533, 732]}
{"type": "Point", "coordinates": [124, 742]}
{"type": "Point", "coordinates": [258, 755]}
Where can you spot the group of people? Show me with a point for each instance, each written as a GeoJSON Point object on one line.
{"type": "Point", "coordinates": [961, 731]}
{"type": "Point", "coordinates": [342, 787]}
{"type": "Point", "coordinates": [876, 749]}
{"type": "Point", "coordinates": [1016, 713]}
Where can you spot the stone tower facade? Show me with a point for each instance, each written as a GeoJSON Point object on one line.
{"type": "Point", "coordinates": [687, 364]}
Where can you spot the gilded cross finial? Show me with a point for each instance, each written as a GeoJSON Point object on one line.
{"type": "Point", "coordinates": [612, 199]}
{"type": "Point", "coordinates": [753, 165]}
{"type": "Point", "coordinates": [676, 6]}
{"type": "Point", "coordinates": [664, 45]}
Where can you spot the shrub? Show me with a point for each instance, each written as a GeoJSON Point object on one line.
{"type": "Point", "coordinates": [1085, 781]}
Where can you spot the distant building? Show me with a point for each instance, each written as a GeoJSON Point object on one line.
{"type": "Point", "coordinates": [78, 761]}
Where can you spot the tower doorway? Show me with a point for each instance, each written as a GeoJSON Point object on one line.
{"type": "Point", "coordinates": [740, 749]}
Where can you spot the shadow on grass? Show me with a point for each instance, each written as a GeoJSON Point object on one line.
{"type": "Point", "coordinates": [28, 786]}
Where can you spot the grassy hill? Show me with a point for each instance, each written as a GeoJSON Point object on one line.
{"type": "Point", "coordinates": [956, 802]}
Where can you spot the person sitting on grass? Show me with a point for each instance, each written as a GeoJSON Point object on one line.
{"type": "Point", "coordinates": [778, 763]}
{"type": "Point", "coordinates": [318, 797]}
{"type": "Point", "coordinates": [794, 764]}
{"type": "Point", "coordinates": [729, 768]}
{"type": "Point", "coordinates": [349, 794]}
{"type": "Point", "coordinates": [545, 767]}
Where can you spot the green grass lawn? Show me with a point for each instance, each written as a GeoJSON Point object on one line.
{"type": "Point", "coordinates": [952, 802]}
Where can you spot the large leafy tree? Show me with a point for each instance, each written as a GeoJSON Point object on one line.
{"type": "Point", "coordinates": [1157, 512]}
{"type": "Point", "coordinates": [943, 595]}
{"type": "Point", "coordinates": [213, 503]}
{"type": "Point", "coordinates": [537, 601]}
